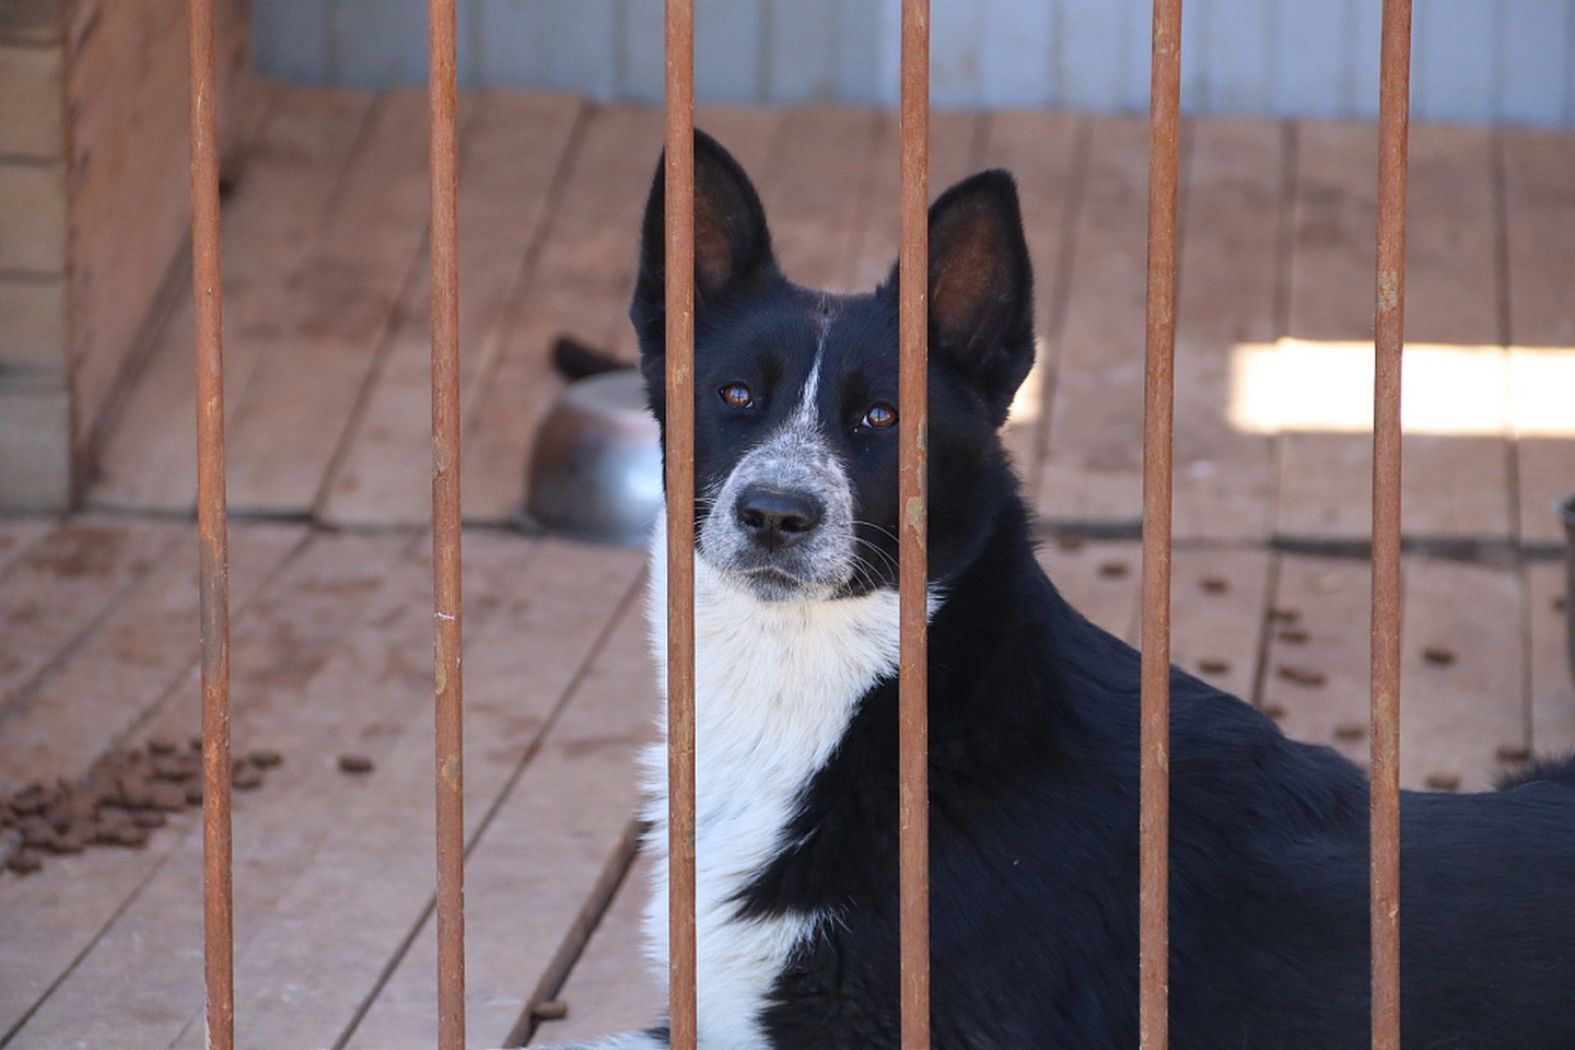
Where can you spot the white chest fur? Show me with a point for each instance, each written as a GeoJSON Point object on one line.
{"type": "Point", "coordinates": [775, 687]}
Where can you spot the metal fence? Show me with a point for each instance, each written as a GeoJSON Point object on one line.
{"type": "Point", "coordinates": [913, 719]}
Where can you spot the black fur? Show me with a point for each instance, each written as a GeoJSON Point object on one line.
{"type": "Point", "coordinates": [1034, 730]}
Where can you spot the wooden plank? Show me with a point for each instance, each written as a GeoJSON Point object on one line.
{"type": "Point", "coordinates": [580, 288]}
{"type": "Point", "coordinates": [33, 217]}
{"type": "Point", "coordinates": [555, 833]}
{"type": "Point", "coordinates": [817, 206]}
{"type": "Point", "coordinates": [1218, 598]}
{"type": "Point", "coordinates": [142, 650]}
{"type": "Point", "coordinates": [1099, 578]}
{"type": "Point", "coordinates": [17, 536]}
{"type": "Point", "coordinates": [1552, 679]}
{"type": "Point", "coordinates": [1092, 466]}
{"type": "Point", "coordinates": [32, 102]}
{"type": "Point", "coordinates": [330, 659]}
{"type": "Point", "coordinates": [1044, 150]}
{"type": "Point", "coordinates": [1539, 241]}
{"type": "Point", "coordinates": [62, 587]}
{"type": "Point", "coordinates": [129, 181]}
{"type": "Point", "coordinates": [35, 448]}
{"type": "Point", "coordinates": [321, 951]}
{"type": "Point", "coordinates": [336, 320]}
{"type": "Point", "coordinates": [302, 657]}
{"type": "Point", "coordinates": [610, 989]}
{"type": "Point", "coordinates": [296, 172]}
{"type": "Point", "coordinates": [33, 322]}
{"type": "Point", "coordinates": [1456, 485]}
{"type": "Point", "coordinates": [1455, 718]}
{"type": "Point", "coordinates": [517, 144]}
{"type": "Point", "coordinates": [1228, 295]}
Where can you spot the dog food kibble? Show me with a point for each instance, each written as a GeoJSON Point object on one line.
{"type": "Point", "coordinates": [1438, 656]}
{"type": "Point", "coordinates": [1560, 603]}
{"type": "Point", "coordinates": [1285, 615]}
{"type": "Point", "coordinates": [265, 759]}
{"type": "Point", "coordinates": [1301, 675]}
{"type": "Point", "coordinates": [24, 862]}
{"type": "Point", "coordinates": [550, 1010]}
{"type": "Point", "coordinates": [1350, 731]}
{"type": "Point", "coordinates": [357, 764]}
{"type": "Point", "coordinates": [167, 798]}
{"type": "Point", "coordinates": [172, 767]}
{"type": "Point", "coordinates": [161, 746]}
{"type": "Point", "coordinates": [1443, 781]}
{"type": "Point", "coordinates": [1069, 543]}
{"type": "Point", "coordinates": [246, 778]}
{"type": "Point", "coordinates": [1513, 752]}
{"type": "Point", "coordinates": [149, 818]}
{"type": "Point", "coordinates": [194, 793]}
{"type": "Point", "coordinates": [1215, 584]}
{"type": "Point", "coordinates": [1274, 711]}
{"type": "Point", "coordinates": [1213, 665]}
{"type": "Point", "coordinates": [1114, 570]}
{"type": "Point", "coordinates": [1292, 635]}
{"type": "Point", "coordinates": [195, 744]}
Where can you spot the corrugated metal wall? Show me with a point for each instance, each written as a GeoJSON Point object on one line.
{"type": "Point", "coordinates": [1476, 60]}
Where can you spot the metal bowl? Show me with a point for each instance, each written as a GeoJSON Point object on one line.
{"type": "Point", "coordinates": [596, 471]}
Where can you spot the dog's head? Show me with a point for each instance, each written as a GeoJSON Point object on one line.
{"type": "Point", "coordinates": [796, 390]}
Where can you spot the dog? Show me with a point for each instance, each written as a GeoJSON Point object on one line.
{"type": "Point", "coordinates": [1033, 764]}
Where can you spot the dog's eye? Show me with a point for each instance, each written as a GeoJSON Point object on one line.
{"type": "Point", "coordinates": [737, 395]}
{"type": "Point", "coordinates": [880, 416]}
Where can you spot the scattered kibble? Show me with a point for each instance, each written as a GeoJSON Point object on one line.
{"type": "Point", "coordinates": [1215, 584]}
{"type": "Point", "coordinates": [1301, 675]}
{"type": "Point", "coordinates": [1438, 656]}
{"type": "Point", "coordinates": [1443, 781]}
{"type": "Point", "coordinates": [1113, 570]}
{"type": "Point", "coordinates": [24, 862]}
{"type": "Point", "coordinates": [1213, 665]}
{"type": "Point", "coordinates": [1069, 543]}
{"type": "Point", "coordinates": [1284, 615]}
{"type": "Point", "coordinates": [550, 1010]}
{"type": "Point", "coordinates": [355, 764]}
{"type": "Point", "coordinates": [1274, 711]}
{"type": "Point", "coordinates": [265, 759]}
{"type": "Point", "coordinates": [1293, 635]}
{"type": "Point", "coordinates": [1513, 752]}
{"type": "Point", "coordinates": [1350, 731]}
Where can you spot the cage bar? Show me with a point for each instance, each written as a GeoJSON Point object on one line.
{"type": "Point", "coordinates": [679, 199]}
{"type": "Point", "coordinates": [1389, 341]}
{"type": "Point", "coordinates": [912, 416]}
{"type": "Point", "coordinates": [212, 533]}
{"type": "Point", "coordinates": [448, 691]}
{"type": "Point", "coordinates": [1158, 432]}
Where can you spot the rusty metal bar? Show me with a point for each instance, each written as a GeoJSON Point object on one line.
{"type": "Point", "coordinates": [213, 540]}
{"type": "Point", "coordinates": [913, 814]}
{"type": "Point", "coordinates": [448, 686]}
{"type": "Point", "coordinates": [679, 199]}
{"type": "Point", "coordinates": [1158, 429]}
{"type": "Point", "coordinates": [1389, 340]}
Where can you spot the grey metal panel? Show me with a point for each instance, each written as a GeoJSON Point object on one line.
{"type": "Point", "coordinates": [292, 39]}
{"type": "Point", "coordinates": [1534, 60]}
{"type": "Point", "coordinates": [1474, 60]}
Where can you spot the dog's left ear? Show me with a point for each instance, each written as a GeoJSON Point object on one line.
{"type": "Point", "coordinates": [981, 295]}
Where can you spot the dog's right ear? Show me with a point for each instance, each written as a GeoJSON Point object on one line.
{"type": "Point", "coordinates": [732, 244]}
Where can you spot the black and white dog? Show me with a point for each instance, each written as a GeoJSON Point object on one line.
{"type": "Point", "coordinates": [1033, 726]}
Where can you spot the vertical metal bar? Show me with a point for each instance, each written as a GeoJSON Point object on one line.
{"type": "Point", "coordinates": [213, 541]}
{"type": "Point", "coordinates": [448, 691]}
{"type": "Point", "coordinates": [679, 198]}
{"type": "Point", "coordinates": [913, 814]}
{"type": "Point", "coordinates": [1158, 419]}
{"type": "Point", "coordinates": [1389, 340]}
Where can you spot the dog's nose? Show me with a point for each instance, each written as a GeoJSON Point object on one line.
{"type": "Point", "coordinates": [778, 519]}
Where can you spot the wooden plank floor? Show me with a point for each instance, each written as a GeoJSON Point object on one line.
{"type": "Point", "coordinates": [328, 399]}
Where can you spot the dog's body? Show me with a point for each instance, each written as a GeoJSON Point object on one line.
{"type": "Point", "coordinates": [1033, 728]}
